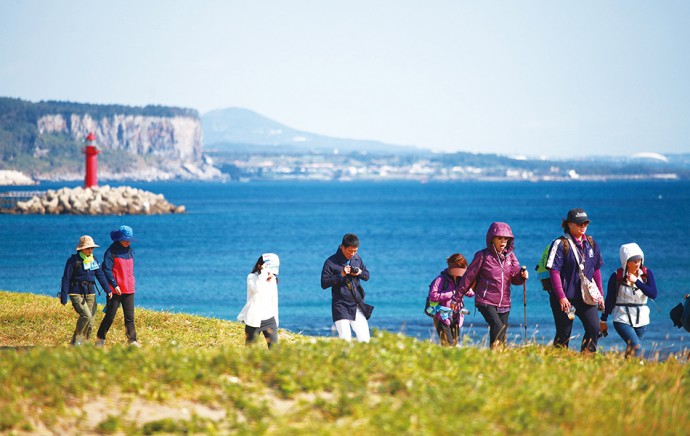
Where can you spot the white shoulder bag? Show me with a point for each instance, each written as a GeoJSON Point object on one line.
{"type": "Point", "coordinates": [590, 292]}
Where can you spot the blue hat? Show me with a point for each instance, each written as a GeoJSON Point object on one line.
{"type": "Point", "coordinates": [124, 233]}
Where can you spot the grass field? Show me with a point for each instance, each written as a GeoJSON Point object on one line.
{"type": "Point", "coordinates": [194, 375]}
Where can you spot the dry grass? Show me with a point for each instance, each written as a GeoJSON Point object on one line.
{"type": "Point", "coordinates": [193, 375]}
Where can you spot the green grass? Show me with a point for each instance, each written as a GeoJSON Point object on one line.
{"type": "Point", "coordinates": [194, 375]}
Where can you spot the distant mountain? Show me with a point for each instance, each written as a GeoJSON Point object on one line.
{"type": "Point", "coordinates": [238, 130]}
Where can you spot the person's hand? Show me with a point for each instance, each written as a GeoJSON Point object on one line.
{"type": "Point", "coordinates": [346, 270]}
{"type": "Point", "coordinates": [604, 328]}
{"type": "Point", "coordinates": [565, 304]}
{"type": "Point", "coordinates": [270, 277]}
{"type": "Point", "coordinates": [631, 278]}
{"type": "Point", "coordinates": [109, 295]}
{"type": "Point", "coordinates": [469, 293]}
{"type": "Point", "coordinates": [524, 274]}
{"type": "Point", "coordinates": [117, 290]}
{"type": "Point", "coordinates": [454, 306]}
{"type": "Point", "coordinates": [601, 305]}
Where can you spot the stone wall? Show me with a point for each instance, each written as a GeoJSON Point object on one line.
{"type": "Point", "coordinates": [99, 200]}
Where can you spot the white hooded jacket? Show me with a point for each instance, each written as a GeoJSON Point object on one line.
{"type": "Point", "coordinates": [631, 303]}
{"type": "Point", "coordinates": [262, 300]}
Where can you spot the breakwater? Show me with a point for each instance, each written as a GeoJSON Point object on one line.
{"type": "Point", "coordinates": [97, 200]}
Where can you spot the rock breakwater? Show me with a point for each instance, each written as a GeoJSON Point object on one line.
{"type": "Point", "coordinates": [99, 200]}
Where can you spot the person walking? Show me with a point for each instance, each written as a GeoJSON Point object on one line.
{"type": "Point", "coordinates": [78, 285]}
{"type": "Point", "coordinates": [628, 290]}
{"type": "Point", "coordinates": [118, 266]}
{"type": "Point", "coordinates": [342, 273]}
{"type": "Point", "coordinates": [260, 313]}
{"type": "Point", "coordinates": [448, 312]}
{"type": "Point", "coordinates": [492, 271]}
{"type": "Point", "coordinates": [571, 255]}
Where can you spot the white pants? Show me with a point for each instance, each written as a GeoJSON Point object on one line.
{"type": "Point", "coordinates": [359, 325]}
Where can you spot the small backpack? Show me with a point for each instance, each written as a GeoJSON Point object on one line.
{"type": "Point", "coordinates": [430, 305]}
{"type": "Point", "coordinates": [619, 275]}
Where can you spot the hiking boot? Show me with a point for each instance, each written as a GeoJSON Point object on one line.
{"type": "Point", "coordinates": [100, 342]}
{"type": "Point", "coordinates": [135, 344]}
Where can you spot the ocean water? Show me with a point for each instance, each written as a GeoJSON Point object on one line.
{"type": "Point", "coordinates": [198, 262]}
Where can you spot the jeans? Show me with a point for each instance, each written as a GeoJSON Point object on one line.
{"type": "Point", "coordinates": [268, 327]}
{"type": "Point", "coordinates": [85, 306]}
{"type": "Point", "coordinates": [587, 314]}
{"type": "Point", "coordinates": [127, 301]}
{"type": "Point", "coordinates": [631, 335]}
{"type": "Point", "coordinates": [498, 324]}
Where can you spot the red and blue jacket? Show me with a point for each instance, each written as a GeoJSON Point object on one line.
{"type": "Point", "coordinates": [118, 266]}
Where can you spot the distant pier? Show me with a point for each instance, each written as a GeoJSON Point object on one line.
{"type": "Point", "coordinates": [8, 200]}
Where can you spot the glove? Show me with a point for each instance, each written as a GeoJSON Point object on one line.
{"type": "Point", "coordinates": [603, 328]}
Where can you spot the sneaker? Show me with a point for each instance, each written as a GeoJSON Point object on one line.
{"type": "Point", "coordinates": [100, 342]}
{"type": "Point", "coordinates": [135, 344]}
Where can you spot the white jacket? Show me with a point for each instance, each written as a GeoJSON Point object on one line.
{"type": "Point", "coordinates": [637, 310]}
{"type": "Point", "coordinates": [262, 300]}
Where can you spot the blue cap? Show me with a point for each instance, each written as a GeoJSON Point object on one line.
{"type": "Point", "coordinates": [124, 233]}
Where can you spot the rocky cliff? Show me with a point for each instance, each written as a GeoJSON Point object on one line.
{"type": "Point", "coordinates": [177, 137]}
{"type": "Point", "coordinates": [44, 140]}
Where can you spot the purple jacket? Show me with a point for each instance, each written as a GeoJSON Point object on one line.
{"type": "Point", "coordinates": [495, 272]}
{"type": "Point", "coordinates": [443, 289]}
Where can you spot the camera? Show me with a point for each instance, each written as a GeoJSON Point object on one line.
{"type": "Point", "coordinates": [355, 270]}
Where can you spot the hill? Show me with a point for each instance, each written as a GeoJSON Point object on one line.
{"type": "Point", "coordinates": [241, 130]}
{"type": "Point", "coordinates": [192, 375]}
{"type": "Point", "coordinates": [247, 146]}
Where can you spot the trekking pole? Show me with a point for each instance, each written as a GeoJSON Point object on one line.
{"type": "Point", "coordinates": [524, 300]}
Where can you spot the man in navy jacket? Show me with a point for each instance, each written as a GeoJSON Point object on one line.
{"type": "Point", "coordinates": [342, 272]}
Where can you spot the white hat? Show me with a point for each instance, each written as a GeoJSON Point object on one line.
{"type": "Point", "coordinates": [271, 262]}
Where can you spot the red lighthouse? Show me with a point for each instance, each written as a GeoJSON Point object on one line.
{"type": "Point", "coordinates": [91, 152]}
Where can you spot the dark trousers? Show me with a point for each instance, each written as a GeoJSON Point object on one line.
{"type": "Point", "coordinates": [268, 327]}
{"type": "Point", "coordinates": [447, 334]}
{"type": "Point", "coordinates": [127, 302]}
{"type": "Point", "coordinates": [588, 316]}
{"type": "Point", "coordinates": [498, 324]}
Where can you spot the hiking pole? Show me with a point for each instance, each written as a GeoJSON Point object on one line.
{"type": "Point", "coordinates": [524, 300]}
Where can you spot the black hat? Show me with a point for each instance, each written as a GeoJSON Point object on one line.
{"type": "Point", "coordinates": [676, 315]}
{"type": "Point", "coordinates": [577, 216]}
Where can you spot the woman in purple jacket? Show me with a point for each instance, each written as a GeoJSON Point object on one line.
{"type": "Point", "coordinates": [490, 274]}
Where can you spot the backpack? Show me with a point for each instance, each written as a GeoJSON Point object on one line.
{"type": "Point", "coordinates": [540, 268]}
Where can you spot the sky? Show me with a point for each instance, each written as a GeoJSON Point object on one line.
{"type": "Point", "coordinates": [536, 78]}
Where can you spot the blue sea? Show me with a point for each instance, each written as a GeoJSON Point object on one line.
{"type": "Point", "coordinates": [198, 262]}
